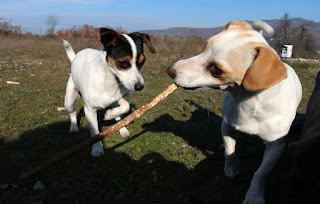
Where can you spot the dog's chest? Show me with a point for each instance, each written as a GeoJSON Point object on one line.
{"type": "Point", "coordinates": [245, 115]}
{"type": "Point", "coordinates": [98, 86]}
{"type": "Point", "coordinates": [104, 93]}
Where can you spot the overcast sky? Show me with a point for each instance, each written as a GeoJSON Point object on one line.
{"type": "Point", "coordinates": [134, 15]}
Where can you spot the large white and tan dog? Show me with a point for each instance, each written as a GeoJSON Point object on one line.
{"type": "Point", "coordinates": [262, 93]}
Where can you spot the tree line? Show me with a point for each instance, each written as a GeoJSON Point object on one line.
{"type": "Point", "coordinates": [7, 28]}
{"type": "Point", "coordinates": [302, 39]}
{"type": "Point", "coordinates": [84, 31]}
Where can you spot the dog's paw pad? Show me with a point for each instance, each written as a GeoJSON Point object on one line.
{"type": "Point", "coordinates": [124, 132]}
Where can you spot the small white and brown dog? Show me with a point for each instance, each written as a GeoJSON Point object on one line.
{"type": "Point", "coordinates": [262, 93]}
{"type": "Point", "coordinates": [105, 78]}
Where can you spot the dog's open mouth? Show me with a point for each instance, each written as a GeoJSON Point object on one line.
{"type": "Point", "coordinates": [191, 88]}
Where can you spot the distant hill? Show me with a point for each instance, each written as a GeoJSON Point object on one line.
{"type": "Point", "coordinates": [208, 32]}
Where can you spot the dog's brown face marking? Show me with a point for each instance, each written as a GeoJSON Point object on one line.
{"type": "Point", "coordinates": [141, 61]}
{"type": "Point", "coordinates": [119, 52]}
{"type": "Point", "coordinates": [122, 63]}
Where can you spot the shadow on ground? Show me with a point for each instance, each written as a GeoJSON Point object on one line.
{"type": "Point", "coordinates": [117, 177]}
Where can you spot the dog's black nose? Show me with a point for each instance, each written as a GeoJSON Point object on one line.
{"type": "Point", "coordinates": [171, 72]}
{"type": "Point", "coordinates": [138, 87]}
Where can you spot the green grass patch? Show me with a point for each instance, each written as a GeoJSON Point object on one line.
{"type": "Point", "coordinates": [174, 153]}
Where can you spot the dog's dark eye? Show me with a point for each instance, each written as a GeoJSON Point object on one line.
{"type": "Point", "coordinates": [123, 65]}
{"type": "Point", "coordinates": [215, 71]}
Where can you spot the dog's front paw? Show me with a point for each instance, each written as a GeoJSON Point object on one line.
{"type": "Point", "coordinates": [253, 199]}
{"type": "Point", "coordinates": [255, 193]}
{"type": "Point", "coordinates": [97, 149]}
{"type": "Point", "coordinates": [124, 132]}
{"type": "Point", "coordinates": [108, 115]}
{"type": "Point", "coordinates": [231, 166]}
{"type": "Point", "coordinates": [73, 128]}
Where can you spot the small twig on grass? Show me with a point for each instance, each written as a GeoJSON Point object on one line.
{"type": "Point", "coordinates": [13, 82]}
{"type": "Point", "coordinates": [130, 118]}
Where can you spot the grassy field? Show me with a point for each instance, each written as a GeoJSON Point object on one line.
{"type": "Point", "coordinates": [174, 154]}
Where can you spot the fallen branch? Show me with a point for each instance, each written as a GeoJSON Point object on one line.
{"type": "Point", "coordinates": [136, 114]}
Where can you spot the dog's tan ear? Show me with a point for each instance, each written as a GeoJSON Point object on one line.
{"type": "Point", "coordinates": [266, 71]}
{"type": "Point", "coordinates": [108, 37]}
{"type": "Point", "coordinates": [146, 39]}
{"type": "Point", "coordinates": [242, 24]}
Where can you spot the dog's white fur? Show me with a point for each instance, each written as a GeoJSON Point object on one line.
{"type": "Point", "coordinates": [262, 103]}
{"type": "Point", "coordinates": [100, 85]}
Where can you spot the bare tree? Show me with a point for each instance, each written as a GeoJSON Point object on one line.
{"type": "Point", "coordinates": [303, 41]}
{"type": "Point", "coordinates": [305, 45]}
{"type": "Point", "coordinates": [16, 29]}
{"type": "Point", "coordinates": [283, 32]}
{"type": "Point", "coordinates": [5, 26]}
{"type": "Point", "coordinates": [52, 22]}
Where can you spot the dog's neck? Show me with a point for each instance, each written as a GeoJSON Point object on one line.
{"type": "Point", "coordinates": [240, 92]}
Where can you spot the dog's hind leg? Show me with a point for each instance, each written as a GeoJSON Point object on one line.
{"type": "Point", "coordinates": [272, 155]}
{"type": "Point", "coordinates": [70, 99]}
{"type": "Point", "coordinates": [232, 163]}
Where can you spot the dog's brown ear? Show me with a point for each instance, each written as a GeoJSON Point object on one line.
{"type": "Point", "coordinates": [146, 39]}
{"type": "Point", "coordinates": [242, 24]}
{"type": "Point", "coordinates": [108, 37]}
{"type": "Point", "coordinates": [266, 71]}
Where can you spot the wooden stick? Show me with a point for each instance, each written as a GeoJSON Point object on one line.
{"type": "Point", "coordinates": [136, 114]}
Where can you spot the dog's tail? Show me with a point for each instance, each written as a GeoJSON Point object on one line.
{"type": "Point", "coordinates": [69, 50]}
{"type": "Point", "coordinates": [261, 26]}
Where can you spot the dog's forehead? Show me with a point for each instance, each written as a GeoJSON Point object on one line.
{"type": "Point", "coordinates": [232, 39]}
{"type": "Point", "coordinates": [138, 41]}
{"type": "Point", "coordinates": [121, 49]}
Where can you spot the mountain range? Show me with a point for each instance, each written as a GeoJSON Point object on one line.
{"type": "Point", "coordinates": [208, 32]}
